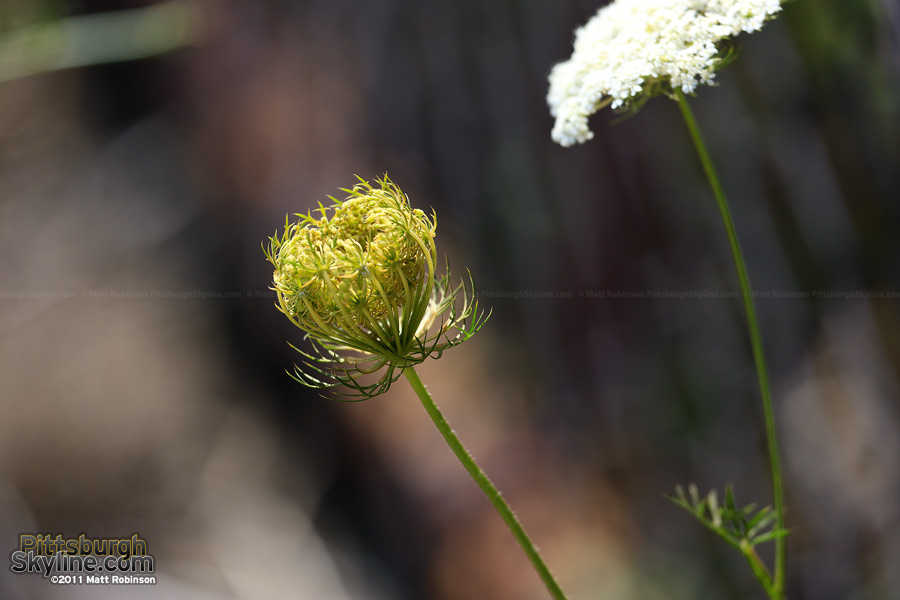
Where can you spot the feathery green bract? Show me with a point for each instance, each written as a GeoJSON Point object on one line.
{"type": "Point", "coordinates": [743, 528]}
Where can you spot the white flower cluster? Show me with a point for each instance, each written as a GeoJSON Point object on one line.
{"type": "Point", "coordinates": [632, 43]}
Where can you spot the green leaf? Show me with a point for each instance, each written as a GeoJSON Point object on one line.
{"type": "Point", "coordinates": [763, 519]}
{"type": "Point", "coordinates": [772, 535]}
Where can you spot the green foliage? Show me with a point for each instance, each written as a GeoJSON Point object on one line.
{"type": "Point", "coordinates": [744, 528]}
{"type": "Point", "coordinates": [37, 38]}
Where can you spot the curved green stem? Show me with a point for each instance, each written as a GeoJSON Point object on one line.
{"type": "Point", "coordinates": [755, 338]}
{"type": "Point", "coordinates": [485, 484]}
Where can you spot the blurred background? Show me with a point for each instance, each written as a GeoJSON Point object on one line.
{"type": "Point", "coordinates": [148, 149]}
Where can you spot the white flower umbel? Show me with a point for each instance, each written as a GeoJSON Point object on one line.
{"type": "Point", "coordinates": [635, 47]}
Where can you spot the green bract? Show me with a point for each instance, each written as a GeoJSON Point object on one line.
{"type": "Point", "coordinates": [360, 281]}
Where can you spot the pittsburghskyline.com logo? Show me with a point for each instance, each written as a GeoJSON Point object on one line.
{"type": "Point", "coordinates": [84, 560]}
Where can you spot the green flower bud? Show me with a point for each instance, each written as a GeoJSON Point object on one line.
{"type": "Point", "coordinates": [360, 281]}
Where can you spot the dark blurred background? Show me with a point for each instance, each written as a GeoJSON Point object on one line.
{"type": "Point", "coordinates": [145, 155]}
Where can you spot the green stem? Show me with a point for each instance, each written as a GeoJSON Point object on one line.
{"type": "Point", "coordinates": [755, 338]}
{"type": "Point", "coordinates": [485, 484]}
{"type": "Point", "coordinates": [759, 569]}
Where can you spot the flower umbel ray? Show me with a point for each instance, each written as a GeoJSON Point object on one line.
{"type": "Point", "coordinates": [358, 276]}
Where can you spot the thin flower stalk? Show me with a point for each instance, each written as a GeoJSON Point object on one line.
{"type": "Point", "coordinates": [359, 278]}
{"type": "Point", "coordinates": [759, 358]}
{"type": "Point", "coordinates": [629, 52]}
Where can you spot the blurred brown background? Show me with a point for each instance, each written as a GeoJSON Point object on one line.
{"type": "Point", "coordinates": [142, 383]}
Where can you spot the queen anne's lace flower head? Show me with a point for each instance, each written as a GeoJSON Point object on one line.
{"type": "Point", "coordinates": [635, 47]}
{"type": "Point", "coordinates": [350, 268]}
{"type": "Point", "coordinates": [360, 280]}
